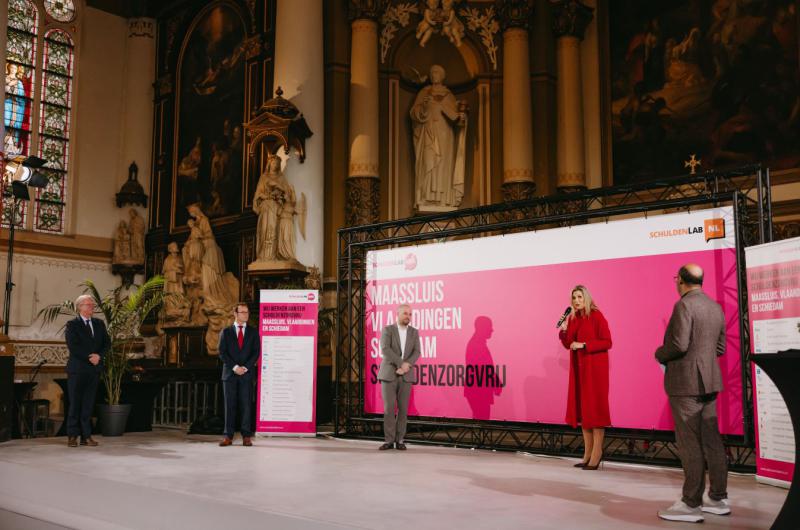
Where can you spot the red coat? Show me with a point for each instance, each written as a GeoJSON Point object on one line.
{"type": "Point", "coordinates": [587, 400]}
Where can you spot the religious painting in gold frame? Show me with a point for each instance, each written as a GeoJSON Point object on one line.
{"type": "Point", "coordinates": [209, 108]}
{"type": "Point", "coordinates": [717, 79]}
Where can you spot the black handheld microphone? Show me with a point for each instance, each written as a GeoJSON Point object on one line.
{"type": "Point", "coordinates": [564, 316]}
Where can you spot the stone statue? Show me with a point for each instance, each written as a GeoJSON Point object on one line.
{"type": "Point", "coordinates": [440, 125]}
{"type": "Point", "coordinates": [289, 209]}
{"type": "Point", "coordinates": [192, 273]}
{"type": "Point", "coordinates": [136, 229]}
{"type": "Point", "coordinates": [220, 289]}
{"type": "Point", "coordinates": [122, 245]}
{"type": "Point", "coordinates": [440, 15]}
{"type": "Point", "coordinates": [314, 279]}
{"type": "Point", "coordinates": [452, 28]}
{"type": "Point", "coordinates": [176, 305]}
{"type": "Point", "coordinates": [212, 263]}
{"type": "Point", "coordinates": [428, 24]}
{"type": "Point", "coordinates": [276, 204]}
{"type": "Point", "coordinates": [266, 205]}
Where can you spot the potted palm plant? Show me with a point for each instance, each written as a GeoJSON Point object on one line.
{"type": "Point", "coordinates": [124, 314]}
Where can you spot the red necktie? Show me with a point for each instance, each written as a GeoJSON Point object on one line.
{"type": "Point", "coordinates": [240, 336]}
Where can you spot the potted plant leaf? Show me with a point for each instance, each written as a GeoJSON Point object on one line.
{"type": "Point", "coordinates": [124, 314]}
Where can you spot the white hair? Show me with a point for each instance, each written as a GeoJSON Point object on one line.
{"type": "Point", "coordinates": [81, 299]}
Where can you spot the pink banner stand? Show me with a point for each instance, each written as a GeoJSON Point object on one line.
{"type": "Point", "coordinates": [287, 382]}
{"type": "Point", "coordinates": [773, 294]}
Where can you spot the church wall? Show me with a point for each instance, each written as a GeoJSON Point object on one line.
{"type": "Point", "coordinates": [99, 115]}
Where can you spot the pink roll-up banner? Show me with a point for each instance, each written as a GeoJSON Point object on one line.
{"type": "Point", "coordinates": [287, 377]}
{"type": "Point", "coordinates": [487, 309]}
{"type": "Point", "coordinates": [773, 292]}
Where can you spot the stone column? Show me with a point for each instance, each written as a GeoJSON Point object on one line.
{"type": "Point", "coordinates": [299, 72]}
{"type": "Point", "coordinates": [518, 180]}
{"type": "Point", "coordinates": [570, 18]}
{"type": "Point", "coordinates": [363, 186]}
{"type": "Point", "coordinates": [137, 132]}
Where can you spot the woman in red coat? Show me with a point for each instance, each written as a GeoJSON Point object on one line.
{"type": "Point", "coordinates": [585, 333]}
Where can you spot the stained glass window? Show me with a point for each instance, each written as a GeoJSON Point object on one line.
{"type": "Point", "coordinates": [23, 26]}
{"type": "Point", "coordinates": [40, 56]}
{"type": "Point", "coordinates": [57, 68]}
{"type": "Point", "coordinates": [61, 10]}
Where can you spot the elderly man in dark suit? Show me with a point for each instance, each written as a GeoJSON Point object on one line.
{"type": "Point", "coordinates": [400, 348]}
{"type": "Point", "coordinates": [87, 342]}
{"type": "Point", "coordinates": [239, 351]}
{"type": "Point", "coordinates": [694, 338]}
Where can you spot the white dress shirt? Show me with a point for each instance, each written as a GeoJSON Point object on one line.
{"type": "Point", "coordinates": [403, 330]}
{"type": "Point", "coordinates": [243, 327]}
{"type": "Point", "coordinates": [88, 322]}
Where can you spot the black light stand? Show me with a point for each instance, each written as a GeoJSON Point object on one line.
{"type": "Point", "coordinates": [23, 173]}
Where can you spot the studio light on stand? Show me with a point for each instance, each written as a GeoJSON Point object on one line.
{"type": "Point", "coordinates": [20, 172]}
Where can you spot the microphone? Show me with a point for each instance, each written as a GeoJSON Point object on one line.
{"type": "Point", "coordinates": [561, 320]}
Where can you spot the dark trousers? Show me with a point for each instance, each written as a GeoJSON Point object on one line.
{"type": "Point", "coordinates": [82, 388]}
{"type": "Point", "coordinates": [238, 395]}
{"type": "Point", "coordinates": [699, 445]}
{"type": "Point", "coordinates": [395, 394]}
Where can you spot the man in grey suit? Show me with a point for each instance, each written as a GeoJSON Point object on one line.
{"type": "Point", "coordinates": [694, 338]}
{"type": "Point", "coordinates": [401, 349]}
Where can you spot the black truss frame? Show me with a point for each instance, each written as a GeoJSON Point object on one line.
{"type": "Point", "coordinates": [747, 189]}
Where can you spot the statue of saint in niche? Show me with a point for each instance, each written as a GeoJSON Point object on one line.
{"type": "Point", "coordinates": [275, 202]}
{"type": "Point", "coordinates": [440, 126]}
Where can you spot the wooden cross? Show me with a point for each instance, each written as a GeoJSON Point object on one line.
{"type": "Point", "coordinates": [692, 163]}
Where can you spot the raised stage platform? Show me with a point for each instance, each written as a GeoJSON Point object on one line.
{"type": "Point", "coordinates": [168, 480]}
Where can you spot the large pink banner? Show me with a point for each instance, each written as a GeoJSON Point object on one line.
{"type": "Point", "coordinates": [287, 387]}
{"type": "Point", "coordinates": [491, 349]}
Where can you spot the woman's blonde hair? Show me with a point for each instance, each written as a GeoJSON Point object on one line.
{"type": "Point", "coordinates": [588, 300]}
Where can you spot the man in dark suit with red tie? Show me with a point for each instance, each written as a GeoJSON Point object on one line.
{"type": "Point", "coordinates": [239, 351]}
{"type": "Point", "coordinates": [87, 342]}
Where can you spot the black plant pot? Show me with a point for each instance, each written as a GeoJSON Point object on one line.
{"type": "Point", "coordinates": [113, 419]}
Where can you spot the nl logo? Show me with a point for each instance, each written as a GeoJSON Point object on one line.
{"type": "Point", "coordinates": [711, 229]}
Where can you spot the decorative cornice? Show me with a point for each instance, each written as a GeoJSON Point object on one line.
{"type": "Point", "coordinates": [363, 169]}
{"type": "Point", "coordinates": [364, 25]}
{"type": "Point", "coordinates": [77, 247]}
{"type": "Point", "coordinates": [566, 180]}
{"type": "Point", "coordinates": [518, 175]}
{"type": "Point", "coordinates": [28, 354]}
{"type": "Point", "coordinates": [27, 259]}
{"type": "Point", "coordinates": [515, 34]}
{"type": "Point", "coordinates": [371, 9]}
{"type": "Point", "coordinates": [570, 18]}
{"type": "Point", "coordinates": [514, 13]}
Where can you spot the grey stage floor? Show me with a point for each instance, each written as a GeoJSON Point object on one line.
{"type": "Point", "coordinates": [168, 480]}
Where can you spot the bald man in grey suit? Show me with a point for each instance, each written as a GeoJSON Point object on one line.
{"type": "Point", "coordinates": [694, 338]}
{"type": "Point", "coordinates": [401, 349]}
